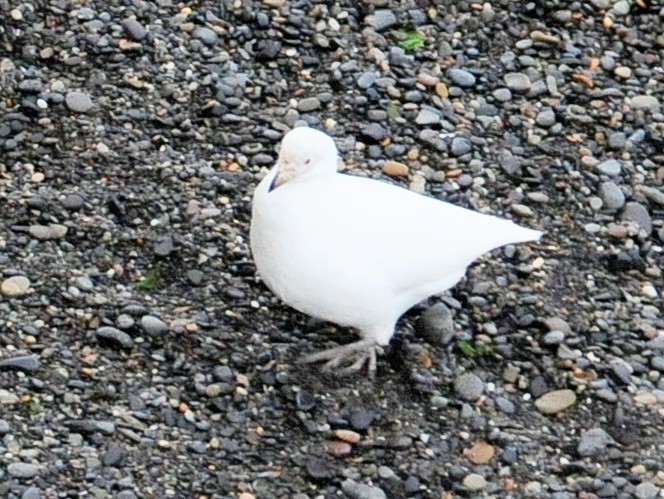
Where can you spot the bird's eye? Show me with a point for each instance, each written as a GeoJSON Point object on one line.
{"type": "Point", "coordinates": [307, 162]}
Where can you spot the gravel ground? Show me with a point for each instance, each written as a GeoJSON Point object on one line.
{"type": "Point", "coordinates": [141, 358]}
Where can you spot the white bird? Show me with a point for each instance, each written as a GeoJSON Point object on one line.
{"type": "Point", "coordinates": [359, 252]}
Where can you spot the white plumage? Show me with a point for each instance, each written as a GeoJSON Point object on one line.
{"type": "Point", "coordinates": [359, 252]}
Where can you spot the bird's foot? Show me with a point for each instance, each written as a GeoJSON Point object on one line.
{"type": "Point", "coordinates": [347, 359]}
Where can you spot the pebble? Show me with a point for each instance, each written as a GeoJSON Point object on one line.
{"type": "Point", "coordinates": [362, 491]}
{"type": "Point", "coordinates": [153, 325]}
{"type": "Point", "coordinates": [546, 118]}
{"type": "Point", "coordinates": [206, 35]}
{"type": "Point", "coordinates": [593, 442]}
{"type": "Point", "coordinates": [610, 167]}
{"type": "Point", "coordinates": [461, 77]}
{"type": "Point", "coordinates": [427, 116]}
{"type": "Point", "coordinates": [518, 82]}
{"type": "Point", "coordinates": [22, 470]}
{"type": "Point", "coordinates": [134, 29]}
{"type": "Point", "coordinates": [109, 333]}
{"type": "Point", "coordinates": [436, 325]}
{"type": "Point", "coordinates": [78, 102]}
{"type": "Point", "coordinates": [469, 387]}
{"type": "Point", "coordinates": [474, 482]}
{"type": "Point", "coordinates": [522, 210]}
{"type": "Point", "coordinates": [47, 232]}
{"type": "Point", "coordinates": [555, 401]}
{"type": "Point", "coordinates": [460, 146]}
{"type": "Point", "coordinates": [645, 102]}
{"type": "Point", "coordinates": [382, 19]}
{"type": "Point", "coordinates": [26, 363]}
{"type": "Point", "coordinates": [7, 397]}
{"type": "Point", "coordinates": [554, 338]}
{"type": "Point", "coordinates": [308, 104]}
{"type": "Point", "coordinates": [15, 286]}
{"type": "Point", "coordinates": [558, 324]}
{"type": "Point", "coordinates": [646, 490]}
{"type": "Point", "coordinates": [395, 169]}
{"type": "Point", "coordinates": [637, 213]}
{"type": "Point", "coordinates": [612, 196]}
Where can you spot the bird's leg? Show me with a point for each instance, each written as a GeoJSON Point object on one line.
{"type": "Point", "coordinates": [357, 354]}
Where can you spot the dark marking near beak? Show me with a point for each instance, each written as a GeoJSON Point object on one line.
{"type": "Point", "coordinates": [273, 184]}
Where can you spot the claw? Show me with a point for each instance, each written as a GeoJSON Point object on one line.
{"type": "Point", "coordinates": [357, 354]}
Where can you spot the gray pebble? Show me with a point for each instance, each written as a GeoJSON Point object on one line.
{"type": "Point", "coordinates": [610, 167]}
{"type": "Point", "coordinates": [617, 140]}
{"type": "Point", "coordinates": [153, 325]}
{"type": "Point", "coordinates": [4, 427]}
{"type": "Point", "coordinates": [461, 77]}
{"type": "Point", "coordinates": [366, 80]}
{"type": "Point", "coordinates": [206, 35]}
{"type": "Point", "coordinates": [436, 325]}
{"type": "Point", "coordinates": [645, 102]}
{"type": "Point", "coordinates": [427, 116]}
{"type": "Point", "coordinates": [546, 118]}
{"type": "Point", "coordinates": [646, 490]}
{"type": "Point", "coordinates": [308, 104]}
{"type": "Point", "coordinates": [505, 405]}
{"type": "Point", "coordinates": [47, 232]}
{"type": "Point", "coordinates": [637, 213]}
{"type": "Point", "coordinates": [134, 29]}
{"type": "Point", "coordinates": [31, 493]}
{"type": "Point", "coordinates": [109, 333]}
{"type": "Point", "coordinates": [460, 146]}
{"type": "Point", "coordinates": [612, 196]}
{"type": "Point", "coordinates": [26, 363]}
{"type": "Point", "coordinates": [554, 338]}
{"type": "Point", "coordinates": [361, 491]}
{"type": "Point", "coordinates": [22, 470]}
{"type": "Point", "coordinates": [78, 102]}
{"type": "Point", "coordinates": [593, 442]}
{"type": "Point", "coordinates": [502, 94]}
{"type": "Point", "coordinates": [469, 387]}
{"type": "Point", "coordinates": [382, 19]}
{"type": "Point", "coordinates": [656, 362]}
{"type": "Point", "coordinates": [374, 131]}
{"type": "Point", "coordinates": [518, 82]}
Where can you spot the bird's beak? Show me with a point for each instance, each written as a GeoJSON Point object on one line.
{"type": "Point", "coordinates": [284, 174]}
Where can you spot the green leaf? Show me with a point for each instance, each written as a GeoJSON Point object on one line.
{"type": "Point", "coordinates": [474, 351]}
{"type": "Point", "coordinates": [413, 41]}
{"type": "Point", "coordinates": [149, 282]}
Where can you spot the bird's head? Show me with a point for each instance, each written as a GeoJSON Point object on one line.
{"type": "Point", "coordinates": [305, 152]}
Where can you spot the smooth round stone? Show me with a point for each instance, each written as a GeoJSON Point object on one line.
{"type": "Point", "coordinates": [78, 102]}
{"type": "Point", "coordinates": [427, 116]}
{"type": "Point", "coordinates": [637, 213]}
{"type": "Point", "coordinates": [546, 118]}
{"type": "Point", "coordinates": [47, 232]}
{"type": "Point", "coordinates": [612, 196]}
{"type": "Point", "coordinates": [461, 77]}
{"type": "Point", "coordinates": [109, 333]}
{"type": "Point", "coordinates": [555, 401]}
{"type": "Point", "coordinates": [593, 442]}
{"type": "Point", "coordinates": [14, 286]}
{"type": "Point", "coordinates": [502, 94]}
{"type": "Point", "coordinates": [436, 325]}
{"type": "Point", "coordinates": [308, 104]}
{"type": "Point", "coordinates": [206, 35]}
{"type": "Point", "coordinates": [610, 167]}
{"type": "Point", "coordinates": [22, 470]}
{"type": "Point", "coordinates": [554, 338]}
{"type": "Point", "coordinates": [153, 325]}
{"type": "Point", "coordinates": [469, 386]}
{"type": "Point", "coordinates": [460, 146]}
{"type": "Point", "coordinates": [474, 482]}
{"type": "Point", "coordinates": [518, 82]}
{"type": "Point", "coordinates": [645, 102]}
